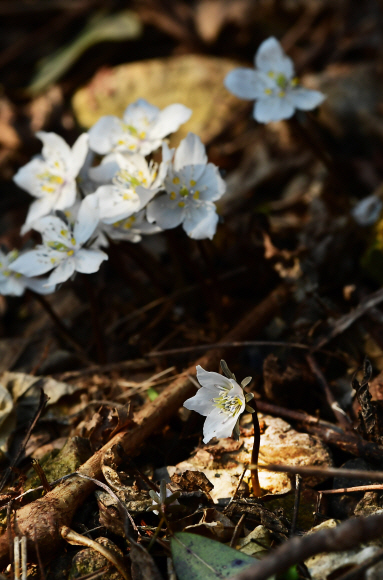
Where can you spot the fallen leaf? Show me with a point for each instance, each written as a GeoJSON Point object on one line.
{"type": "Point", "coordinates": [198, 558]}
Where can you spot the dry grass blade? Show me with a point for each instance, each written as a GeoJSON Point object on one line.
{"type": "Point", "coordinates": [79, 540]}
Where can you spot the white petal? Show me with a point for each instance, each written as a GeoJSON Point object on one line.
{"type": "Point", "coordinates": [169, 120]}
{"type": "Point", "coordinates": [39, 208]}
{"type": "Point", "coordinates": [210, 379]}
{"type": "Point", "coordinates": [136, 111]}
{"type": "Point", "coordinates": [219, 425]}
{"type": "Point", "coordinates": [26, 176]}
{"type": "Point", "coordinates": [51, 228]}
{"type": "Point", "coordinates": [87, 219]}
{"type": "Point", "coordinates": [88, 261]}
{"type": "Point", "coordinates": [272, 108]}
{"type": "Point", "coordinates": [191, 151]}
{"type": "Point", "coordinates": [202, 401]}
{"type": "Point", "coordinates": [33, 263]}
{"type": "Point", "coordinates": [245, 83]}
{"type": "Point", "coordinates": [113, 206]}
{"type": "Point", "coordinates": [54, 145]}
{"type": "Point", "coordinates": [104, 134]}
{"type": "Point", "coordinates": [104, 172]}
{"type": "Point", "coordinates": [210, 185]}
{"type": "Point", "coordinates": [305, 99]}
{"type": "Point", "coordinates": [201, 221]}
{"type": "Point", "coordinates": [62, 273]}
{"type": "Point", "coordinates": [11, 286]}
{"type": "Point", "coordinates": [66, 196]}
{"type": "Point", "coordinates": [271, 57]}
{"type": "Point", "coordinates": [78, 155]}
{"type": "Point", "coordinates": [165, 212]}
{"type": "Point", "coordinates": [39, 285]}
{"type": "Point", "coordinates": [145, 195]}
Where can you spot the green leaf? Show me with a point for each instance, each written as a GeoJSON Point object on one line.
{"type": "Point", "coordinates": [152, 393]}
{"type": "Point", "coordinates": [291, 574]}
{"type": "Point", "coordinates": [199, 558]}
{"type": "Point", "coordinates": [118, 27]}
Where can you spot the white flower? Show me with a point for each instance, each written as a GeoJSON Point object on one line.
{"type": "Point", "coordinates": [164, 500]}
{"type": "Point", "coordinates": [141, 130]}
{"type": "Point", "coordinates": [192, 184]}
{"type": "Point", "coordinates": [273, 86]}
{"type": "Point", "coordinates": [220, 400]}
{"type": "Point", "coordinates": [13, 283]}
{"type": "Point", "coordinates": [63, 247]}
{"type": "Point", "coordinates": [134, 183]}
{"type": "Point", "coordinates": [368, 210]}
{"type": "Point", "coordinates": [51, 177]}
{"type": "Point", "coordinates": [131, 229]}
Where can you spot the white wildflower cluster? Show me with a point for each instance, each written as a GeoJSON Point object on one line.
{"type": "Point", "coordinates": [109, 187]}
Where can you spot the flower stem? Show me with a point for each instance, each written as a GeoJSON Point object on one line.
{"type": "Point", "coordinates": [64, 331]}
{"type": "Point", "coordinates": [155, 536]}
{"type": "Point", "coordinates": [97, 329]}
{"type": "Point", "coordinates": [254, 455]}
{"type": "Point", "coordinates": [320, 153]}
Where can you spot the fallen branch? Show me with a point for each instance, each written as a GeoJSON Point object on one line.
{"type": "Point", "coordinates": [346, 536]}
{"type": "Point", "coordinates": [43, 518]}
{"type": "Point", "coordinates": [321, 471]}
{"type": "Point", "coordinates": [327, 432]}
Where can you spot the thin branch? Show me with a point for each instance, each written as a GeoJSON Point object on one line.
{"type": "Point", "coordinates": [346, 536]}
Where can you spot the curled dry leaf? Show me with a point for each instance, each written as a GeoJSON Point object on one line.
{"type": "Point", "coordinates": [280, 443]}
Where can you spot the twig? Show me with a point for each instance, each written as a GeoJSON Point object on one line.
{"type": "Point", "coordinates": [110, 367]}
{"type": "Point", "coordinates": [57, 508]}
{"type": "Point", "coordinates": [40, 472]}
{"type": "Point", "coordinates": [237, 531]}
{"type": "Point", "coordinates": [239, 344]}
{"type": "Point", "coordinates": [323, 471]}
{"type": "Point", "coordinates": [298, 486]}
{"type": "Point", "coordinates": [372, 487]}
{"type": "Point", "coordinates": [41, 567]}
{"type": "Point", "coordinates": [340, 415]}
{"type": "Point", "coordinates": [344, 322]}
{"type": "Point", "coordinates": [346, 536]}
{"type": "Point", "coordinates": [43, 401]}
{"type": "Point", "coordinates": [358, 571]}
{"type": "Point", "coordinates": [328, 432]}
{"type": "Point", "coordinates": [236, 490]}
{"type": "Point", "coordinates": [158, 301]}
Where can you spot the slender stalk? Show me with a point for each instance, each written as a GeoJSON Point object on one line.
{"type": "Point", "coordinates": [64, 331]}
{"type": "Point", "coordinates": [254, 455]}
{"type": "Point", "coordinates": [95, 311]}
{"type": "Point", "coordinates": [320, 153]}
{"type": "Point", "coordinates": [155, 536]}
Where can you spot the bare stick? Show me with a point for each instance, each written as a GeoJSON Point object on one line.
{"type": "Point", "coordinates": [373, 487]}
{"type": "Point", "coordinates": [323, 471]}
{"type": "Point", "coordinates": [49, 513]}
{"type": "Point", "coordinates": [346, 536]}
{"type": "Point", "coordinates": [327, 432]}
